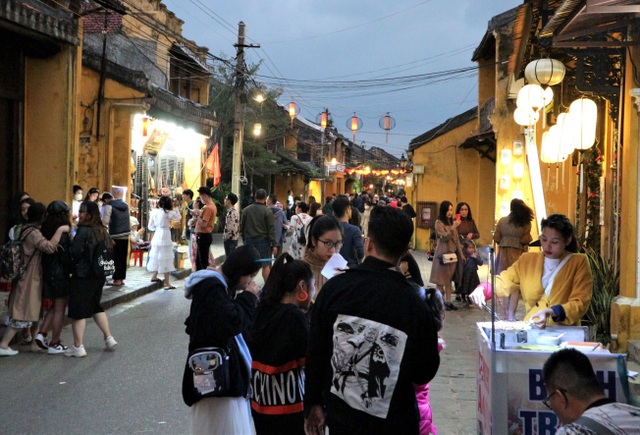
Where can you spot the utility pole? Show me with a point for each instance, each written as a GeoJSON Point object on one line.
{"type": "Point", "coordinates": [238, 119]}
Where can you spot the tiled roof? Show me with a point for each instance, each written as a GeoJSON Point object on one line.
{"type": "Point", "coordinates": [445, 127]}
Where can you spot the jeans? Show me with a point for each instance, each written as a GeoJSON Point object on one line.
{"type": "Point", "coordinates": [229, 245]}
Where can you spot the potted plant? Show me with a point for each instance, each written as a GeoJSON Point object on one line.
{"type": "Point", "coordinates": [605, 288]}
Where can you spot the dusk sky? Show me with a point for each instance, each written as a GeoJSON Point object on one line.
{"type": "Point", "coordinates": [410, 58]}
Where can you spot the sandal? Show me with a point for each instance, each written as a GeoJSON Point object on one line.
{"type": "Point", "coordinates": [170, 288]}
{"type": "Point", "coordinates": [156, 280]}
{"type": "Point", "coordinates": [113, 284]}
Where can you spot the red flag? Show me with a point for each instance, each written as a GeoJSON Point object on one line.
{"type": "Point", "coordinates": [213, 165]}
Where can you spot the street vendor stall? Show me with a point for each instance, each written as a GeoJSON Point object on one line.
{"type": "Point", "coordinates": [510, 384]}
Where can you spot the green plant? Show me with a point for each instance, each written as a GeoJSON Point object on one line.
{"type": "Point", "coordinates": [605, 288]}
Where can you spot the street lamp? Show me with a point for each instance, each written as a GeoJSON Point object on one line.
{"type": "Point", "coordinates": [403, 162]}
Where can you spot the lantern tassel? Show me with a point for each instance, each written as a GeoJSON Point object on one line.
{"type": "Point", "coordinates": [556, 176]}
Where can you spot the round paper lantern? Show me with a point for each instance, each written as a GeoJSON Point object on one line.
{"type": "Point", "coordinates": [531, 97]}
{"type": "Point", "coordinates": [525, 117]}
{"type": "Point", "coordinates": [584, 113]}
{"type": "Point", "coordinates": [547, 72]}
{"type": "Point", "coordinates": [566, 128]}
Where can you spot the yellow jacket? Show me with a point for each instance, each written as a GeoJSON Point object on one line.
{"type": "Point", "coordinates": [572, 286]}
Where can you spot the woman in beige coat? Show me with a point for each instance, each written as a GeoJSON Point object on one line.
{"type": "Point", "coordinates": [25, 300]}
{"type": "Point", "coordinates": [448, 242]}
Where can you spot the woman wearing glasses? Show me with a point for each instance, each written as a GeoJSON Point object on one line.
{"type": "Point", "coordinates": [324, 240]}
{"type": "Point", "coordinates": [555, 283]}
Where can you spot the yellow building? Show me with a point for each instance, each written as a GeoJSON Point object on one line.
{"type": "Point", "coordinates": [454, 162]}
{"type": "Point", "coordinates": [144, 119]}
{"type": "Point", "coordinates": [39, 75]}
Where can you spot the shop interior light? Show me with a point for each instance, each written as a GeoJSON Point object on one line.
{"type": "Point", "coordinates": [518, 170]}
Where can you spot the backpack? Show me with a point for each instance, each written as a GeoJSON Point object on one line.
{"type": "Point", "coordinates": [301, 233]}
{"type": "Point", "coordinates": [12, 263]}
{"type": "Point", "coordinates": [102, 263]}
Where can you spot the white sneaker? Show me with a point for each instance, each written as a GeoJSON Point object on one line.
{"type": "Point", "coordinates": [8, 352]}
{"type": "Point", "coordinates": [41, 341]}
{"type": "Point", "coordinates": [110, 343]}
{"type": "Point", "coordinates": [56, 349]}
{"type": "Point", "coordinates": [77, 352]}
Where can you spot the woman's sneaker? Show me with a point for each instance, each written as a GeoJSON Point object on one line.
{"type": "Point", "coordinates": [77, 352]}
{"type": "Point", "coordinates": [56, 349]}
{"type": "Point", "coordinates": [41, 341]}
{"type": "Point", "coordinates": [110, 343]}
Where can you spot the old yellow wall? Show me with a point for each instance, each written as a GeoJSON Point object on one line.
{"type": "Point", "coordinates": [105, 161]}
{"type": "Point", "coordinates": [629, 195]}
{"type": "Point", "coordinates": [49, 125]}
{"type": "Point", "coordinates": [454, 174]}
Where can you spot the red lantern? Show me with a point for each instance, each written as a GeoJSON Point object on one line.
{"type": "Point", "coordinates": [387, 123]}
{"type": "Point", "coordinates": [323, 118]}
{"type": "Point", "coordinates": [354, 124]}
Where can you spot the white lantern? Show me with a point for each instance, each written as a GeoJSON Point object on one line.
{"type": "Point", "coordinates": [531, 97]}
{"type": "Point", "coordinates": [550, 145]}
{"type": "Point", "coordinates": [547, 72]}
{"type": "Point", "coordinates": [567, 131]}
{"type": "Point", "coordinates": [547, 96]}
{"type": "Point", "coordinates": [525, 117]}
{"type": "Point", "coordinates": [585, 115]}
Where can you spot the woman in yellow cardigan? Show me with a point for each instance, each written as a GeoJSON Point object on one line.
{"type": "Point", "coordinates": [555, 283]}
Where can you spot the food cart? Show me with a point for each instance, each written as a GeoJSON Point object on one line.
{"type": "Point", "coordinates": [510, 385]}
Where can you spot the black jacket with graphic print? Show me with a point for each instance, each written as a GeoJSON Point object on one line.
{"type": "Point", "coordinates": [371, 339]}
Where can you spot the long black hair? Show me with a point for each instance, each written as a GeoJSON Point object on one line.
{"type": "Point", "coordinates": [469, 215]}
{"type": "Point", "coordinates": [442, 215]}
{"type": "Point", "coordinates": [15, 214]}
{"type": "Point", "coordinates": [165, 203]}
{"type": "Point", "coordinates": [283, 278]}
{"type": "Point", "coordinates": [57, 216]}
{"type": "Point", "coordinates": [563, 225]}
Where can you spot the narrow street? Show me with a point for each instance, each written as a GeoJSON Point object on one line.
{"type": "Point", "coordinates": [134, 389]}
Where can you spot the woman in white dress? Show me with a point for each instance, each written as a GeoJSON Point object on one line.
{"type": "Point", "coordinates": [161, 254]}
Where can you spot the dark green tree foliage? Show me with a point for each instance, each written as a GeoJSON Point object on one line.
{"type": "Point", "coordinates": [259, 156]}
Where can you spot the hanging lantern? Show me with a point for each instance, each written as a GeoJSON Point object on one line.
{"type": "Point", "coordinates": [546, 72]}
{"type": "Point", "coordinates": [323, 118]}
{"type": "Point", "coordinates": [525, 117]}
{"type": "Point", "coordinates": [354, 124]}
{"type": "Point", "coordinates": [387, 123]}
{"type": "Point", "coordinates": [567, 130]}
{"type": "Point", "coordinates": [145, 126]}
{"type": "Point", "coordinates": [584, 113]}
{"type": "Point", "coordinates": [293, 111]}
{"type": "Point", "coordinates": [531, 97]}
{"type": "Point", "coordinates": [257, 129]}
{"type": "Point", "coordinates": [550, 145]}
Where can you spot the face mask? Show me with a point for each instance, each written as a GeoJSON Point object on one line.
{"type": "Point", "coordinates": [78, 197]}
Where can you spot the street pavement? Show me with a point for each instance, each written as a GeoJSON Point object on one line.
{"type": "Point", "coordinates": [137, 387]}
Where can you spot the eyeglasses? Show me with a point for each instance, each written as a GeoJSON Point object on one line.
{"type": "Point", "coordinates": [329, 244]}
{"type": "Point", "coordinates": [545, 401]}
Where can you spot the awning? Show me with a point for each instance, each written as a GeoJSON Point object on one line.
{"type": "Point", "coordinates": [484, 143]}
{"type": "Point", "coordinates": [183, 53]}
{"type": "Point", "coordinates": [170, 107]}
{"type": "Point", "coordinates": [587, 23]}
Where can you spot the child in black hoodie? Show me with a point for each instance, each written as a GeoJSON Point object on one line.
{"type": "Point", "coordinates": [278, 342]}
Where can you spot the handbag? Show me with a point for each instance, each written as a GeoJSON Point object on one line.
{"type": "Point", "coordinates": [448, 258]}
{"type": "Point", "coordinates": [210, 369]}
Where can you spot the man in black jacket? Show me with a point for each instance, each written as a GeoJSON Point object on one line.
{"type": "Point", "coordinates": [371, 339]}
